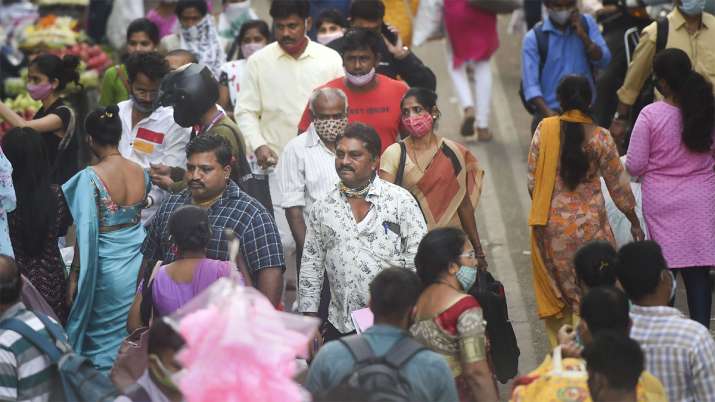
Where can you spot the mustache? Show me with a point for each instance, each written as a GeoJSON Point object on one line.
{"type": "Point", "coordinates": [286, 39]}
{"type": "Point", "coordinates": [346, 168]}
{"type": "Point", "coordinates": [196, 182]}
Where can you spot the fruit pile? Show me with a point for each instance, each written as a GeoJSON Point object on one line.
{"type": "Point", "coordinates": [82, 3]}
{"type": "Point", "coordinates": [23, 105]}
{"type": "Point", "coordinates": [50, 31]}
{"type": "Point", "coordinates": [93, 56]}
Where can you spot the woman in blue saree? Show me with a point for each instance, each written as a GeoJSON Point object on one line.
{"type": "Point", "coordinates": [105, 201]}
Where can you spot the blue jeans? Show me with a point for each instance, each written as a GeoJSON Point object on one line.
{"type": "Point", "coordinates": [699, 292]}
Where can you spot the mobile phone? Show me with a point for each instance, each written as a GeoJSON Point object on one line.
{"type": "Point", "coordinates": [391, 37]}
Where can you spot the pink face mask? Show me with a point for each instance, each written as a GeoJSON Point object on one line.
{"type": "Point", "coordinates": [418, 125]}
{"type": "Point", "coordinates": [39, 91]}
{"type": "Point", "coordinates": [247, 49]}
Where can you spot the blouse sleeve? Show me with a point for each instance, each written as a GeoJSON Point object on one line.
{"type": "Point", "coordinates": [390, 159]}
{"type": "Point", "coordinates": [472, 336]}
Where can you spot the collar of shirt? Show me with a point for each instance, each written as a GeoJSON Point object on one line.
{"type": "Point", "coordinates": [656, 311]}
{"type": "Point", "coordinates": [308, 52]}
{"type": "Point", "coordinates": [314, 140]}
{"type": "Point", "coordinates": [550, 27]}
{"type": "Point", "coordinates": [232, 192]}
{"type": "Point", "coordinates": [125, 113]}
{"type": "Point", "coordinates": [373, 194]}
{"type": "Point", "coordinates": [10, 312]}
{"type": "Point", "coordinates": [678, 21]}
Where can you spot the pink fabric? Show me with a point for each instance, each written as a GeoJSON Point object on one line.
{"type": "Point", "coordinates": [165, 24]}
{"type": "Point", "coordinates": [472, 32]}
{"type": "Point", "coordinates": [678, 187]}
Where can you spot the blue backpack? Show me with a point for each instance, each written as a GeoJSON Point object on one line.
{"type": "Point", "coordinates": [79, 380]}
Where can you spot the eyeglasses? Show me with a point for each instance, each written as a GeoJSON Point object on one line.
{"type": "Point", "coordinates": [469, 254]}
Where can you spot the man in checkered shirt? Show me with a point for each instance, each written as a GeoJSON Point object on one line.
{"type": "Point", "coordinates": [208, 169]}
{"type": "Point", "coordinates": [680, 352]}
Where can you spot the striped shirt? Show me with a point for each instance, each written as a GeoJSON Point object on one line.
{"type": "Point", "coordinates": [678, 351]}
{"type": "Point", "coordinates": [306, 171]}
{"type": "Point", "coordinates": [26, 374]}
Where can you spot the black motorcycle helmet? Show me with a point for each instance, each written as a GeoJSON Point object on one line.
{"type": "Point", "coordinates": [191, 90]}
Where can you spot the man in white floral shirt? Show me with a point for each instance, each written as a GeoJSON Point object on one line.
{"type": "Point", "coordinates": [360, 228]}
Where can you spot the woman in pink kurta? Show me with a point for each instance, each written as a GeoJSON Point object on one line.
{"type": "Point", "coordinates": [671, 151]}
{"type": "Point", "coordinates": [473, 39]}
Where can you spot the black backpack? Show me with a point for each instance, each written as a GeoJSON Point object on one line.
{"type": "Point", "coordinates": [504, 350]}
{"type": "Point", "coordinates": [542, 43]}
{"type": "Point", "coordinates": [380, 377]}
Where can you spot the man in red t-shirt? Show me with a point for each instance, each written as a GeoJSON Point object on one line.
{"type": "Point", "coordinates": [374, 99]}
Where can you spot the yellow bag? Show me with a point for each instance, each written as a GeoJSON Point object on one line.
{"type": "Point", "coordinates": [556, 380]}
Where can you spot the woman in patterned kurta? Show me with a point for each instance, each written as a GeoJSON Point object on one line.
{"type": "Point", "coordinates": [574, 216]}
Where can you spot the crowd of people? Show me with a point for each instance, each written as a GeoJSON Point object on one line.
{"type": "Point", "coordinates": [304, 153]}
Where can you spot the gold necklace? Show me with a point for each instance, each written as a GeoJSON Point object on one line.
{"type": "Point", "coordinates": [206, 204]}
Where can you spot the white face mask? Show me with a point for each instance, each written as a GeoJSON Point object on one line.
{"type": "Point", "coordinates": [326, 38]}
{"type": "Point", "coordinates": [560, 17]}
{"type": "Point", "coordinates": [247, 49]}
{"type": "Point", "coordinates": [234, 11]}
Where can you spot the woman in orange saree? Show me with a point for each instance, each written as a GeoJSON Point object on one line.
{"type": "Point", "coordinates": [441, 174]}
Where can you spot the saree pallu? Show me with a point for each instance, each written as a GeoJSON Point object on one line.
{"type": "Point", "coordinates": [453, 173]}
{"type": "Point", "coordinates": [109, 264]}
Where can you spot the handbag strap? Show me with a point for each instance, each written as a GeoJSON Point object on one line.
{"type": "Point", "coordinates": [401, 166]}
{"type": "Point", "coordinates": [244, 168]}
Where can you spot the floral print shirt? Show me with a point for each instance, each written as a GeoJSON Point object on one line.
{"type": "Point", "coordinates": [353, 253]}
{"type": "Point", "coordinates": [7, 203]}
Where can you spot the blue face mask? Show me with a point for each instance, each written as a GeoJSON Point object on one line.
{"type": "Point", "coordinates": [692, 7]}
{"type": "Point", "coordinates": [466, 277]}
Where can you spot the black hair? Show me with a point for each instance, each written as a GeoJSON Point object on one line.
{"type": "Point", "coordinates": [616, 357]}
{"type": "Point", "coordinates": [10, 280]}
{"type": "Point", "coordinates": [361, 39]}
{"type": "Point", "coordinates": [595, 264]}
{"type": "Point", "coordinates": [370, 10]}
{"type": "Point", "coordinates": [262, 27]}
{"type": "Point", "coordinates": [331, 15]}
{"type": "Point", "coordinates": [183, 5]}
{"type": "Point", "coordinates": [146, 26]}
{"type": "Point", "coordinates": [151, 64]}
{"type": "Point", "coordinates": [394, 292]}
{"type": "Point", "coordinates": [694, 94]}
{"type": "Point", "coordinates": [605, 308]}
{"type": "Point", "coordinates": [184, 53]}
{"type": "Point", "coordinates": [211, 143]}
{"type": "Point", "coordinates": [162, 337]}
{"type": "Point", "coordinates": [425, 97]}
{"type": "Point", "coordinates": [574, 93]}
{"type": "Point", "coordinates": [640, 265]}
{"type": "Point", "coordinates": [104, 126]}
{"type": "Point", "coordinates": [36, 201]}
{"type": "Point", "coordinates": [189, 228]}
{"type": "Point", "coordinates": [285, 8]}
{"type": "Point", "coordinates": [437, 250]}
{"type": "Point", "coordinates": [63, 70]}
{"type": "Point", "coordinates": [366, 134]}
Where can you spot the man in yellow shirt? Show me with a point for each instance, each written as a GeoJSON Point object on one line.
{"type": "Point", "coordinates": [689, 29]}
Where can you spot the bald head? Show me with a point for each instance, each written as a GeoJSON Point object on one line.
{"type": "Point", "coordinates": [10, 281]}
{"type": "Point", "coordinates": [328, 101]}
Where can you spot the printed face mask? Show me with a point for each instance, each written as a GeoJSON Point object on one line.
{"type": "Point", "coordinates": [329, 129]}
{"type": "Point", "coordinates": [418, 125]}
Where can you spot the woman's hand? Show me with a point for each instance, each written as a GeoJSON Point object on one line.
{"type": "Point", "coordinates": [637, 232]}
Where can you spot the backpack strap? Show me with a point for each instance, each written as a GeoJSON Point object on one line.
{"type": "Point", "coordinates": [358, 347]}
{"type": "Point", "coordinates": [404, 350]}
{"type": "Point", "coordinates": [32, 336]}
{"type": "Point", "coordinates": [661, 38]}
{"type": "Point", "coordinates": [401, 166]}
{"type": "Point", "coordinates": [542, 44]}
{"type": "Point", "coordinates": [242, 163]}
